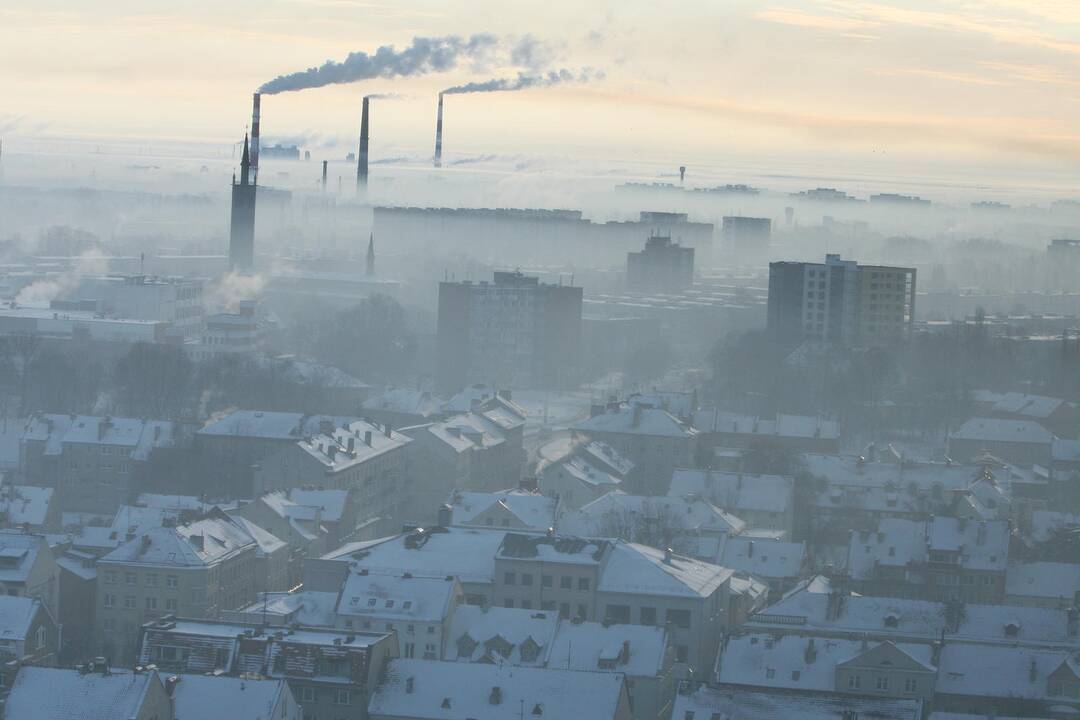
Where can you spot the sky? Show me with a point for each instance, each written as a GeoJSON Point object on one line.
{"type": "Point", "coordinates": [967, 81]}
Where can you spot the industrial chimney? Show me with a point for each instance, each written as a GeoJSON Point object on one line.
{"type": "Point", "coordinates": [438, 134]}
{"type": "Point", "coordinates": [324, 176]}
{"type": "Point", "coordinates": [256, 101]}
{"type": "Point", "coordinates": [362, 163]}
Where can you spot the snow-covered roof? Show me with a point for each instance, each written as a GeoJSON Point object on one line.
{"type": "Point", "coordinates": [331, 503]}
{"type": "Point", "coordinates": [402, 597]}
{"type": "Point", "coordinates": [141, 437]}
{"type": "Point", "coordinates": [266, 541]}
{"type": "Point", "coordinates": [225, 698]}
{"type": "Point", "coordinates": [637, 420]}
{"type": "Point", "coordinates": [638, 569]}
{"type": "Point", "coordinates": [204, 542]}
{"type": "Point", "coordinates": [63, 694]}
{"type": "Point", "coordinates": [497, 634]}
{"type": "Point", "coordinates": [706, 703]}
{"type": "Point", "coordinates": [266, 425]}
{"type": "Point", "coordinates": [615, 513]}
{"type": "Point", "coordinates": [787, 426]}
{"type": "Point", "coordinates": [307, 607]}
{"type": "Point", "coordinates": [797, 662]}
{"type": "Point", "coordinates": [173, 502]}
{"type": "Point", "coordinates": [430, 689]}
{"type": "Point", "coordinates": [557, 548]}
{"type": "Point", "coordinates": [534, 510]}
{"type": "Point", "coordinates": [1033, 406]}
{"type": "Point", "coordinates": [735, 491]}
{"type": "Point", "coordinates": [25, 504]}
{"type": "Point", "coordinates": [849, 471]}
{"type": "Point", "coordinates": [1065, 450]}
{"type": "Point", "coordinates": [16, 614]}
{"type": "Point", "coordinates": [1004, 671]}
{"type": "Point", "coordinates": [1050, 580]}
{"type": "Point", "coordinates": [763, 557]}
{"type": "Point", "coordinates": [636, 650]}
{"type": "Point", "coordinates": [341, 448]}
{"type": "Point", "coordinates": [466, 553]}
{"type": "Point", "coordinates": [982, 429]}
{"type": "Point", "coordinates": [980, 544]}
{"type": "Point", "coordinates": [18, 554]}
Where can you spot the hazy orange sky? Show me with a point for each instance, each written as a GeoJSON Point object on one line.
{"type": "Point", "coordinates": [974, 79]}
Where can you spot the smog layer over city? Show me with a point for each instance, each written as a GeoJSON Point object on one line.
{"type": "Point", "coordinates": [463, 360]}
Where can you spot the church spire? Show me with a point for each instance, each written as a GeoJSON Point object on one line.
{"type": "Point", "coordinates": [245, 163]}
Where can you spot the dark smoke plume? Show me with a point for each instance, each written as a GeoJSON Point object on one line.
{"type": "Point", "coordinates": [424, 55]}
{"type": "Point", "coordinates": [383, 96]}
{"type": "Point", "coordinates": [525, 81]}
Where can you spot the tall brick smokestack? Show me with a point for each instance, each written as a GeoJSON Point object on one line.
{"type": "Point", "coordinates": [256, 101]}
{"type": "Point", "coordinates": [438, 134]}
{"type": "Point", "coordinates": [362, 162]}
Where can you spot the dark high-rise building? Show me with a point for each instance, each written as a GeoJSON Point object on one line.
{"type": "Point", "coordinates": [663, 266]}
{"type": "Point", "coordinates": [840, 301]}
{"type": "Point", "coordinates": [512, 332]}
{"type": "Point", "coordinates": [242, 227]}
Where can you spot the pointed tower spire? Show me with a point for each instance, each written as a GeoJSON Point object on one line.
{"type": "Point", "coordinates": [245, 163]}
{"type": "Point", "coordinates": [371, 255]}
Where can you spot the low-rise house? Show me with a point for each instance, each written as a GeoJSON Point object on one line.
{"type": "Point", "coordinates": [762, 501]}
{"type": "Point", "coordinates": [97, 464]}
{"type": "Point", "coordinates": [578, 471]}
{"type": "Point", "coordinates": [29, 507]}
{"type": "Point", "coordinates": [653, 439]}
{"type": "Point", "coordinates": [1021, 442]}
{"type": "Point", "coordinates": [708, 703]}
{"type": "Point", "coordinates": [196, 570]}
{"type": "Point", "coordinates": [1043, 584]}
{"type": "Point", "coordinates": [824, 664]}
{"type": "Point", "coordinates": [418, 609]}
{"type": "Point", "coordinates": [29, 634]}
{"type": "Point", "coordinates": [1055, 414]}
{"type": "Point", "coordinates": [940, 559]}
{"type": "Point", "coordinates": [501, 635]}
{"type": "Point", "coordinates": [370, 460]}
{"type": "Point", "coordinates": [28, 568]}
{"type": "Point", "coordinates": [331, 673]}
{"type": "Point", "coordinates": [1002, 680]}
{"type": "Point", "coordinates": [791, 433]}
{"type": "Point", "coordinates": [689, 525]}
{"type": "Point", "coordinates": [508, 509]}
{"type": "Point", "coordinates": [642, 654]}
{"type": "Point", "coordinates": [227, 698]}
{"type": "Point", "coordinates": [779, 563]}
{"type": "Point", "coordinates": [229, 447]}
{"type": "Point", "coordinates": [92, 693]}
{"type": "Point", "coordinates": [426, 690]}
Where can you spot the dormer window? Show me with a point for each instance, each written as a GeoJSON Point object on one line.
{"type": "Point", "coordinates": [892, 621]}
{"type": "Point", "coordinates": [371, 602]}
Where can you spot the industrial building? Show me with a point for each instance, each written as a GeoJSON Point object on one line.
{"type": "Point", "coordinates": [840, 301]}
{"type": "Point", "coordinates": [512, 332]}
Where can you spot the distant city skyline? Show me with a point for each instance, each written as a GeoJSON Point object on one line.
{"type": "Point", "coordinates": [973, 81]}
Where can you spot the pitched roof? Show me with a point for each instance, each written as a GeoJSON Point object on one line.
{"type": "Point", "coordinates": [639, 569]}
{"type": "Point", "coordinates": [204, 542]}
{"type": "Point", "coordinates": [736, 491]}
{"type": "Point", "coordinates": [494, 630]}
{"type": "Point", "coordinates": [396, 597]}
{"type": "Point", "coordinates": [981, 429]}
{"type": "Point", "coordinates": [225, 698]}
{"type": "Point", "coordinates": [637, 650]}
{"type": "Point", "coordinates": [532, 509]}
{"type": "Point", "coordinates": [706, 703]}
{"type": "Point", "coordinates": [60, 694]}
{"type": "Point", "coordinates": [637, 420]}
{"type": "Point", "coordinates": [16, 615]}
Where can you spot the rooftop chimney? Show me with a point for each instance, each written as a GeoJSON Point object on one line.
{"type": "Point", "coordinates": [362, 156]}
{"type": "Point", "coordinates": [367, 438]}
{"type": "Point", "coordinates": [438, 134]}
{"type": "Point", "coordinates": [256, 101]}
{"type": "Point", "coordinates": [667, 556]}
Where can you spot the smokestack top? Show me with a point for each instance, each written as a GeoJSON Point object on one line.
{"type": "Point", "coordinates": [438, 133]}
{"type": "Point", "coordinates": [256, 104]}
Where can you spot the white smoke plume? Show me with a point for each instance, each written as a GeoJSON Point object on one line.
{"type": "Point", "coordinates": [233, 288]}
{"type": "Point", "coordinates": [525, 81]}
{"type": "Point", "coordinates": [42, 292]}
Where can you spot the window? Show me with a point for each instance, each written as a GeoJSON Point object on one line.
{"type": "Point", "coordinates": [110, 577]}
{"type": "Point", "coordinates": [429, 651]}
{"type": "Point", "coordinates": [40, 637]}
{"type": "Point", "coordinates": [510, 578]}
{"type": "Point", "coordinates": [618, 614]}
{"type": "Point", "coordinates": [410, 650]}
{"type": "Point", "coordinates": [564, 611]}
{"type": "Point", "coordinates": [582, 612]}
{"type": "Point", "coordinates": [110, 601]}
{"type": "Point", "coordinates": [526, 578]}
{"type": "Point", "coordinates": [566, 582]}
{"type": "Point", "coordinates": [152, 579]}
{"type": "Point", "coordinates": [545, 581]}
{"type": "Point", "coordinates": [854, 682]}
{"type": "Point", "coordinates": [770, 673]}
{"type": "Point", "coordinates": [679, 618]}
{"type": "Point", "coordinates": [648, 616]}
{"type": "Point", "coordinates": [547, 605]}
{"type": "Point", "coordinates": [341, 697]}
{"type": "Point", "coordinates": [410, 629]}
{"type": "Point", "coordinates": [430, 629]}
{"type": "Point", "coordinates": [509, 602]}
{"type": "Point", "coordinates": [911, 685]}
{"type": "Point", "coordinates": [130, 578]}
{"type": "Point", "coordinates": [171, 581]}
{"type": "Point", "coordinates": [307, 694]}
{"type": "Point", "coordinates": [129, 602]}
{"type": "Point", "coordinates": [882, 682]}
{"type": "Point", "coordinates": [170, 604]}
{"type": "Point", "coordinates": [151, 603]}
{"type": "Point", "coordinates": [109, 624]}
{"type": "Point", "coordinates": [583, 584]}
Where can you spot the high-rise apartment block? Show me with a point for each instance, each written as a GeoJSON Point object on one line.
{"type": "Point", "coordinates": [663, 266]}
{"type": "Point", "coordinates": [840, 301]}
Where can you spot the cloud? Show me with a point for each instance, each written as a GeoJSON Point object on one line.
{"type": "Point", "coordinates": [956, 77]}
{"type": "Point", "coordinates": [798, 18]}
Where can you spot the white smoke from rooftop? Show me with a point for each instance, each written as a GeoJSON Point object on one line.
{"type": "Point", "coordinates": [41, 293]}
{"type": "Point", "coordinates": [230, 290]}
